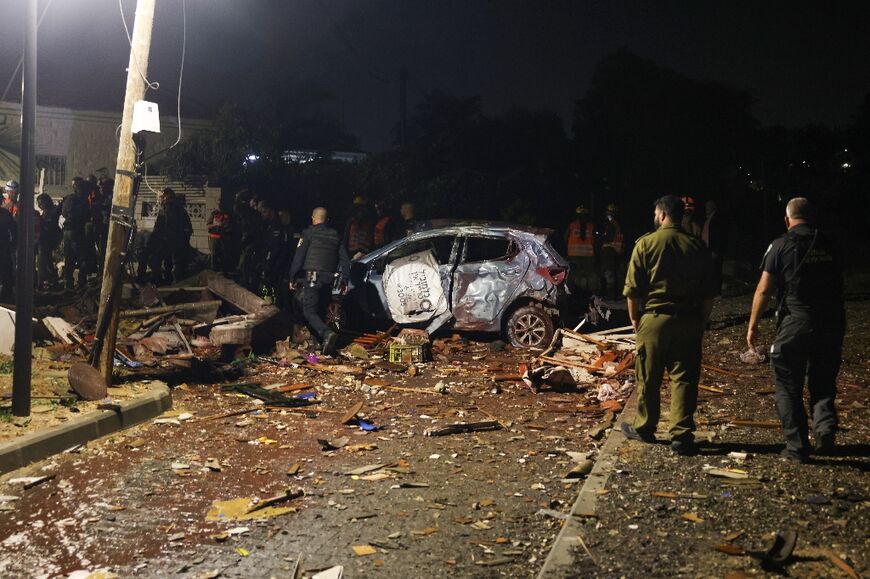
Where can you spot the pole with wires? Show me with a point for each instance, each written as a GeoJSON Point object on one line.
{"type": "Point", "coordinates": [123, 198]}
{"type": "Point", "coordinates": [24, 277]}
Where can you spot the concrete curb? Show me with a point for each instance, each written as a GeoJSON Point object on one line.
{"type": "Point", "coordinates": [92, 425]}
{"type": "Point", "coordinates": [565, 548]}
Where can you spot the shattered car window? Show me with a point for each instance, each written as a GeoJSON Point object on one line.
{"type": "Point", "coordinates": [441, 247]}
{"type": "Point", "coordinates": [488, 249]}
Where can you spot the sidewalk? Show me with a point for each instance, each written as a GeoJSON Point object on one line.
{"type": "Point", "coordinates": [43, 442]}
{"type": "Point", "coordinates": [662, 515]}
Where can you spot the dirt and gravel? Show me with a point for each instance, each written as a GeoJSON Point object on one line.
{"type": "Point", "coordinates": [479, 504]}
{"type": "Point", "coordinates": [458, 505]}
{"type": "Point", "coordinates": [662, 515]}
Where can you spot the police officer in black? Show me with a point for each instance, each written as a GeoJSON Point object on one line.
{"type": "Point", "coordinates": [802, 266]}
{"type": "Point", "coordinates": [8, 238]}
{"type": "Point", "coordinates": [320, 255]}
{"type": "Point", "coordinates": [275, 262]}
{"type": "Point", "coordinates": [76, 250]}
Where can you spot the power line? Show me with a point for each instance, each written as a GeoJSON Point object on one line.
{"type": "Point", "coordinates": [21, 60]}
{"type": "Point", "coordinates": [351, 47]}
{"type": "Point", "coordinates": [149, 84]}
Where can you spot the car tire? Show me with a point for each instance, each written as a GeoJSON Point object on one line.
{"type": "Point", "coordinates": [530, 327]}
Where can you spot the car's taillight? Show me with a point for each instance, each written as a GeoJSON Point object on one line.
{"type": "Point", "coordinates": [555, 275]}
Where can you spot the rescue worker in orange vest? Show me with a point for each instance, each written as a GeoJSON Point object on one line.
{"type": "Point", "coordinates": [580, 244]}
{"type": "Point", "coordinates": [218, 238]}
{"type": "Point", "coordinates": [689, 224]}
{"type": "Point", "coordinates": [385, 225]}
{"type": "Point", "coordinates": [359, 232]}
{"type": "Point", "coordinates": [612, 251]}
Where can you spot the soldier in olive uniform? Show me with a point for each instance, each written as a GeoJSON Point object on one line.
{"type": "Point", "coordinates": [320, 255]}
{"type": "Point", "coordinates": [670, 288]}
{"type": "Point", "coordinates": [811, 322]}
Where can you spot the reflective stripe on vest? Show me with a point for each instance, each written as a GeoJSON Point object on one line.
{"type": "Point", "coordinates": [579, 246]}
{"type": "Point", "coordinates": [617, 241]}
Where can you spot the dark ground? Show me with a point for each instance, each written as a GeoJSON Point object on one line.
{"type": "Point", "coordinates": [119, 503]}
{"type": "Point", "coordinates": [640, 534]}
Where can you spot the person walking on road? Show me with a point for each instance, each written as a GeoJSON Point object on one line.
{"type": "Point", "coordinates": [803, 267]}
{"type": "Point", "coordinates": [669, 289]}
{"type": "Point", "coordinates": [320, 255]}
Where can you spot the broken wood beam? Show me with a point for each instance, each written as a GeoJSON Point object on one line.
{"type": "Point", "coordinates": [755, 423]}
{"type": "Point", "coordinates": [189, 307]}
{"type": "Point", "coordinates": [720, 370]}
{"type": "Point", "coordinates": [464, 427]}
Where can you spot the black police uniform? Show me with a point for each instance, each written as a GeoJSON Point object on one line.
{"type": "Point", "coordinates": [8, 237]}
{"type": "Point", "coordinates": [320, 255]}
{"type": "Point", "coordinates": [276, 261]}
{"type": "Point", "coordinates": [76, 250]}
{"type": "Point", "coordinates": [811, 322]}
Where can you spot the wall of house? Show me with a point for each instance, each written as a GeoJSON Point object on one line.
{"type": "Point", "coordinates": [70, 143]}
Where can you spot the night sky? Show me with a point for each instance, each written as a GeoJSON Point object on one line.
{"type": "Point", "coordinates": [803, 62]}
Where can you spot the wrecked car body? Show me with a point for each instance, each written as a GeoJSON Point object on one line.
{"type": "Point", "coordinates": [477, 276]}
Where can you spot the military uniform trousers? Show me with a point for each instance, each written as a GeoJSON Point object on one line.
{"type": "Point", "coordinates": [672, 343]}
{"type": "Point", "coordinates": [806, 352]}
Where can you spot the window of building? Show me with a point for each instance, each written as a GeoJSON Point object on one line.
{"type": "Point", "coordinates": [55, 169]}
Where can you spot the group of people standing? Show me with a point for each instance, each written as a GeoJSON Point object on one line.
{"type": "Point", "coordinates": [78, 226]}
{"type": "Point", "coordinates": [670, 287]}
{"type": "Point", "coordinates": [257, 239]}
{"type": "Point", "coordinates": [597, 251]}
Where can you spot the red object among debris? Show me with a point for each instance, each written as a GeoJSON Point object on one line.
{"type": "Point", "coordinates": [555, 275]}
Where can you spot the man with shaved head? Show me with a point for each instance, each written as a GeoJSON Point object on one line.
{"type": "Point", "coordinates": [802, 267]}
{"type": "Point", "coordinates": [322, 257]}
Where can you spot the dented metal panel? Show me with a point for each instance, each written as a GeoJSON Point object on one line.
{"type": "Point", "coordinates": [482, 292]}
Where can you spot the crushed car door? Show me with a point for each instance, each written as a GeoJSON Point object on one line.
{"type": "Point", "coordinates": [444, 250]}
{"type": "Point", "coordinates": [486, 279]}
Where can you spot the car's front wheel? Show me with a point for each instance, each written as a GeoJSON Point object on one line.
{"type": "Point", "coordinates": [530, 327]}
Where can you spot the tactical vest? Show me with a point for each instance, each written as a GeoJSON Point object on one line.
{"type": "Point", "coordinates": [580, 245]}
{"type": "Point", "coordinates": [322, 253]}
{"type": "Point", "coordinates": [813, 282]}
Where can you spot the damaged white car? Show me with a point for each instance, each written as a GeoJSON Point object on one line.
{"type": "Point", "coordinates": [474, 276]}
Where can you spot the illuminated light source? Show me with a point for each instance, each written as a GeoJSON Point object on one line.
{"type": "Point", "coordinates": [846, 165]}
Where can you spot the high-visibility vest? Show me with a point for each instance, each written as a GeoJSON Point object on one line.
{"type": "Point", "coordinates": [579, 246]}
{"type": "Point", "coordinates": [218, 220]}
{"type": "Point", "coordinates": [359, 235]}
{"type": "Point", "coordinates": [381, 230]}
{"type": "Point", "coordinates": [617, 242]}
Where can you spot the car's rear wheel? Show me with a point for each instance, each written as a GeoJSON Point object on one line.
{"type": "Point", "coordinates": [530, 327]}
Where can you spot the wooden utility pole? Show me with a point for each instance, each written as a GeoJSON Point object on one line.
{"type": "Point", "coordinates": [125, 171]}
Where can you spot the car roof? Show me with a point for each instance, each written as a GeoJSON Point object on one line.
{"type": "Point", "coordinates": [437, 227]}
{"type": "Point", "coordinates": [478, 224]}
